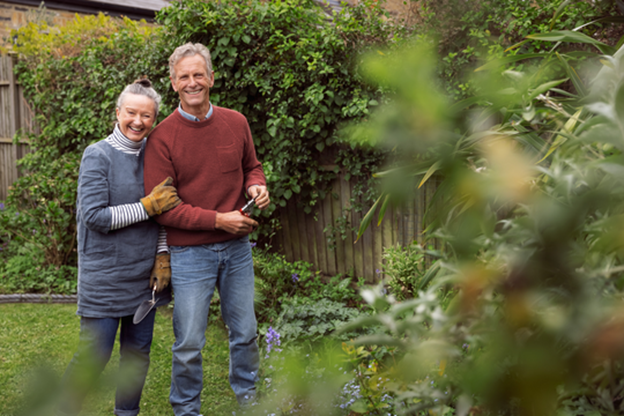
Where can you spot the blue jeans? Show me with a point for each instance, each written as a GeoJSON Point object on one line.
{"type": "Point", "coordinates": [196, 271]}
{"type": "Point", "coordinates": [97, 337]}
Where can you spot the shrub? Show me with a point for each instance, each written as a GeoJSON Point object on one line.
{"type": "Point", "coordinates": [293, 74]}
{"type": "Point", "coordinates": [72, 77]}
{"type": "Point", "coordinates": [278, 63]}
{"type": "Point", "coordinates": [406, 270]}
{"type": "Point", "coordinates": [303, 320]}
{"type": "Point", "coordinates": [277, 280]}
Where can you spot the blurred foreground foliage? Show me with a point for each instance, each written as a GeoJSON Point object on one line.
{"type": "Point", "coordinates": [529, 211]}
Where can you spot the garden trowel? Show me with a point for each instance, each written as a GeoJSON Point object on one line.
{"type": "Point", "coordinates": [144, 308]}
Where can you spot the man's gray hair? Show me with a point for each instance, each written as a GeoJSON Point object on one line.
{"type": "Point", "coordinates": [141, 86]}
{"type": "Point", "coordinates": [186, 50]}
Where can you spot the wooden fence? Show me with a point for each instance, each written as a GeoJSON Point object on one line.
{"type": "Point", "coordinates": [15, 115]}
{"type": "Point", "coordinates": [315, 239]}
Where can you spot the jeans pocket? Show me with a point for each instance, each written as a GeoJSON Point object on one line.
{"type": "Point", "coordinates": [178, 249]}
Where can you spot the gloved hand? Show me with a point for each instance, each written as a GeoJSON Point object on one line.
{"type": "Point", "coordinates": [162, 198]}
{"type": "Point", "coordinates": [161, 273]}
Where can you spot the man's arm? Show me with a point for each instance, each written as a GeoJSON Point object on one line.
{"type": "Point", "coordinates": [184, 216]}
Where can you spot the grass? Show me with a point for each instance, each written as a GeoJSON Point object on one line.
{"type": "Point", "coordinates": [37, 341]}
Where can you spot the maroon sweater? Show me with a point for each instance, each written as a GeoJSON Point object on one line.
{"type": "Point", "coordinates": [212, 163]}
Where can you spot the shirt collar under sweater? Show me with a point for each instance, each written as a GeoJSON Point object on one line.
{"type": "Point", "coordinates": [120, 142]}
{"type": "Point", "coordinates": [192, 117]}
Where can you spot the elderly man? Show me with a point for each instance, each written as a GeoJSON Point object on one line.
{"type": "Point", "coordinates": [209, 153]}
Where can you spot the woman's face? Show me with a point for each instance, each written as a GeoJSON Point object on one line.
{"type": "Point", "coordinates": [136, 116]}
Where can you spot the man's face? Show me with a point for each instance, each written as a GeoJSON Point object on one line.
{"type": "Point", "coordinates": [192, 82]}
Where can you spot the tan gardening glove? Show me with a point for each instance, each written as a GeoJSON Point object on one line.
{"type": "Point", "coordinates": [161, 273]}
{"type": "Point", "coordinates": [162, 198]}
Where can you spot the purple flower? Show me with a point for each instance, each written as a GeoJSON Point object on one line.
{"type": "Point", "coordinates": [34, 232]}
{"type": "Point", "coordinates": [295, 277]}
{"type": "Point", "coordinates": [378, 271]}
{"type": "Point", "coordinates": [252, 245]}
{"type": "Point", "coordinates": [1, 206]}
{"type": "Point", "coordinates": [272, 339]}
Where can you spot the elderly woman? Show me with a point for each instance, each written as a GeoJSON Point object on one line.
{"type": "Point", "coordinates": [117, 248]}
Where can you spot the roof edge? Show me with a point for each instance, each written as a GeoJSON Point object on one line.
{"type": "Point", "coordinates": [91, 7]}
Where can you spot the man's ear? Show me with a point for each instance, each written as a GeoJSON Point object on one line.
{"type": "Point", "coordinates": [173, 84]}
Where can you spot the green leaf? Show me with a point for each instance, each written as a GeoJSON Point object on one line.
{"type": "Point", "coordinates": [430, 172]}
{"type": "Point", "coordinates": [546, 87]}
{"type": "Point", "coordinates": [287, 193]}
{"type": "Point", "coordinates": [560, 139]}
{"type": "Point", "coordinates": [428, 277]}
{"type": "Point", "coordinates": [359, 406]}
{"type": "Point", "coordinates": [619, 102]}
{"type": "Point", "coordinates": [382, 210]}
{"type": "Point", "coordinates": [496, 63]}
{"type": "Point", "coordinates": [574, 77]}
{"type": "Point", "coordinates": [367, 219]}
{"type": "Point", "coordinates": [573, 37]}
{"type": "Point", "coordinates": [246, 39]}
{"type": "Point", "coordinates": [558, 12]}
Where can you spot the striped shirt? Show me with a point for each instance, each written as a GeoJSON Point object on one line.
{"type": "Point", "coordinates": [127, 214]}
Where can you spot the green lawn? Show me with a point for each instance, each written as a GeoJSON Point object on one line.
{"type": "Point", "coordinates": [37, 342]}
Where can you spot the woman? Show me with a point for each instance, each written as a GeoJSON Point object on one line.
{"type": "Point", "coordinates": [117, 245]}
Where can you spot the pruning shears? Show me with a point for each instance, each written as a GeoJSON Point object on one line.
{"type": "Point", "coordinates": [246, 210]}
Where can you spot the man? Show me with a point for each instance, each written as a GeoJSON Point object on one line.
{"type": "Point", "coordinates": [209, 153]}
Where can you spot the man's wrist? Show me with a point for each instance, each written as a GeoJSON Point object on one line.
{"type": "Point", "coordinates": [249, 188]}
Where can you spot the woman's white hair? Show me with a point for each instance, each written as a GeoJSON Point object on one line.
{"type": "Point", "coordinates": [141, 86]}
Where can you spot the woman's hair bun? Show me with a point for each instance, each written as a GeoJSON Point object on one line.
{"type": "Point", "coordinates": [144, 82]}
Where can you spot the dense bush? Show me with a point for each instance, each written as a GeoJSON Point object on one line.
{"type": "Point", "coordinates": [293, 74]}
{"type": "Point", "coordinates": [472, 32]}
{"type": "Point", "coordinates": [278, 281]}
{"type": "Point", "coordinates": [287, 68]}
{"type": "Point", "coordinates": [72, 78]}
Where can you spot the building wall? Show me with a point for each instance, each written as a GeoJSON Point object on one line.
{"type": "Point", "coordinates": [14, 16]}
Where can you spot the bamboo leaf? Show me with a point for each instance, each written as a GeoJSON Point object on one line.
{"type": "Point", "coordinates": [546, 87]}
{"type": "Point", "coordinates": [367, 219]}
{"type": "Point", "coordinates": [574, 37]}
{"type": "Point", "coordinates": [574, 77]}
{"type": "Point", "coordinates": [428, 277]}
{"type": "Point", "coordinates": [382, 210]}
{"type": "Point", "coordinates": [561, 138]}
{"type": "Point", "coordinates": [430, 172]}
{"type": "Point", "coordinates": [463, 104]}
{"type": "Point", "coordinates": [557, 13]}
{"type": "Point", "coordinates": [619, 102]}
{"type": "Point", "coordinates": [508, 60]}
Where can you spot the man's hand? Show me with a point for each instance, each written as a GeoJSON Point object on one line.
{"type": "Point", "coordinates": [234, 223]}
{"type": "Point", "coordinates": [262, 194]}
{"type": "Point", "coordinates": [161, 273]}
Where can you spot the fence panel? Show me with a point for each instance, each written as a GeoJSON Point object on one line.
{"type": "Point", "coordinates": [15, 115]}
{"type": "Point", "coordinates": [303, 236]}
